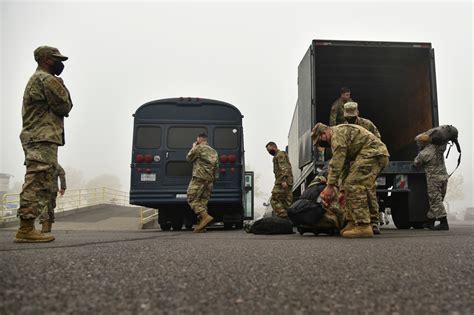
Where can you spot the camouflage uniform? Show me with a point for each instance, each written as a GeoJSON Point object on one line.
{"type": "Point", "coordinates": [358, 158]}
{"type": "Point", "coordinates": [337, 112]}
{"type": "Point", "coordinates": [431, 157]}
{"type": "Point", "coordinates": [59, 173]}
{"type": "Point", "coordinates": [205, 165]}
{"type": "Point", "coordinates": [46, 102]}
{"type": "Point", "coordinates": [373, 201]}
{"type": "Point", "coordinates": [282, 198]}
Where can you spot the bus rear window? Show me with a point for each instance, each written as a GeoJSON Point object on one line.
{"type": "Point", "coordinates": [226, 138]}
{"type": "Point", "coordinates": [148, 137]}
{"type": "Point", "coordinates": [183, 137]}
{"type": "Point", "coordinates": [179, 168]}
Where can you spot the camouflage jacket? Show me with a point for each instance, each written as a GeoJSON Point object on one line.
{"type": "Point", "coordinates": [349, 142]}
{"type": "Point", "coordinates": [205, 162]}
{"type": "Point", "coordinates": [46, 102]}
{"type": "Point", "coordinates": [282, 168]}
{"type": "Point", "coordinates": [337, 112]}
{"type": "Point", "coordinates": [432, 159]}
{"type": "Point", "coordinates": [367, 124]}
{"type": "Point", "coordinates": [61, 174]}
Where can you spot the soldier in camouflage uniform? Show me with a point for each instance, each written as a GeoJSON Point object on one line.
{"type": "Point", "coordinates": [46, 102]}
{"type": "Point", "coordinates": [337, 108]}
{"type": "Point", "coordinates": [282, 194]}
{"type": "Point", "coordinates": [205, 171]}
{"type": "Point", "coordinates": [351, 115]}
{"type": "Point", "coordinates": [431, 158]}
{"type": "Point", "coordinates": [47, 219]}
{"type": "Point", "coordinates": [358, 157]}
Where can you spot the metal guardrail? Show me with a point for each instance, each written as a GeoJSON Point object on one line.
{"type": "Point", "coordinates": [147, 215]}
{"type": "Point", "coordinates": [72, 199]}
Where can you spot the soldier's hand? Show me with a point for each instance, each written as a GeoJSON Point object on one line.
{"type": "Point", "coordinates": [284, 185]}
{"type": "Point", "coordinates": [327, 195]}
{"type": "Point", "coordinates": [61, 192]}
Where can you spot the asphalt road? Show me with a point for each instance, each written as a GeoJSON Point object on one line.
{"type": "Point", "coordinates": [232, 272]}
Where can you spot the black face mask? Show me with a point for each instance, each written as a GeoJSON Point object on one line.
{"type": "Point", "coordinates": [351, 120]}
{"type": "Point", "coordinates": [272, 152]}
{"type": "Point", "coordinates": [57, 68]}
{"type": "Point", "coordinates": [324, 144]}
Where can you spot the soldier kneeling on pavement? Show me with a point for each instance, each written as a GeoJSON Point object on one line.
{"type": "Point", "coordinates": [205, 172]}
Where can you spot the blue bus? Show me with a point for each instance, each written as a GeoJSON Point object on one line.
{"type": "Point", "coordinates": [163, 133]}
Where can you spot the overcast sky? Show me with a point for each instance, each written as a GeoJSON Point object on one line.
{"type": "Point", "coordinates": [125, 54]}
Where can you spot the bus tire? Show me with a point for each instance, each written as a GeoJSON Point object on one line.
{"type": "Point", "coordinates": [165, 227]}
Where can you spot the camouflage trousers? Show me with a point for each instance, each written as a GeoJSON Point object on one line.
{"type": "Point", "coordinates": [41, 159]}
{"type": "Point", "coordinates": [373, 204]}
{"type": "Point", "coordinates": [199, 193]}
{"type": "Point", "coordinates": [359, 188]}
{"type": "Point", "coordinates": [281, 199]}
{"type": "Point", "coordinates": [436, 193]}
{"type": "Point", "coordinates": [49, 216]}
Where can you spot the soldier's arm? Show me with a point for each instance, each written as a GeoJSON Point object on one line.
{"type": "Point", "coordinates": [419, 160]}
{"type": "Point", "coordinates": [57, 96]}
{"type": "Point", "coordinates": [284, 167]}
{"type": "Point", "coordinates": [192, 154]}
{"type": "Point", "coordinates": [336, 165]}
{"type": "Point", "coordinates": [62, 177]}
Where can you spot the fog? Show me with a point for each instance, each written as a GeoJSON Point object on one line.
{"type": "Point", "coordinates": [125, 54]}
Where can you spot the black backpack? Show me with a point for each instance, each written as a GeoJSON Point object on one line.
{"type": "Point", "coordinates": [307, 210]}
{"type": "Point", "coordinates": [272, 225]}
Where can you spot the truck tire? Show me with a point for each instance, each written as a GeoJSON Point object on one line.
{"type": "Point", "coordinates": [417, 225]}
{"type": "Point", "coordinates": [400, 218]}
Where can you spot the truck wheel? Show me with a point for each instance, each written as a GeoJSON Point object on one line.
{"type": "Point", "coordinates": [400, 218]}
{"type": "Point", "coordinates": [165, 226]}
{"type": "Point", "coordinates": [417, 225]}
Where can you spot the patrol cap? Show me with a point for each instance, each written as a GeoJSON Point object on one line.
{"type": "Point", "coordinates": [316, 131]}
{"type": "Point", "coordinates": [48, 51]}
{"type": "Point", "coordinates": [350, 109]}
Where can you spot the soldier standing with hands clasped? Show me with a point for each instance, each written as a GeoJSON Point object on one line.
{"type": "Point", "coordinates": [46, 102]}
{"type": "Point", "coordinates": [205, 167]}
{"type": "Point", "coordinates": [282, 194]}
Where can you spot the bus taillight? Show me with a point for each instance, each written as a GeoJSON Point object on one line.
{"type": "Point", "coordinates": [222, 170]}
{"type": "Point", "coordinates": [232, 158]}
{"type": "Point", "coordinates": [148, 158]}
{"type": "Point", "coordinates": [232, 170]}
{"type": "Point", "coordinates": [139, 158]}
{"type": "Point", "coordinates": [224, 158]}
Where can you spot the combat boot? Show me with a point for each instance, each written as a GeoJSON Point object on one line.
{"type": "Point", "coordinates": [205, 219]}
{"type": "Point", "coordinates": [442, 226]}
{"type": "Point", "coordinates": [349, 225]}
{"type": "Point", "coordinates": [27, 233]}
{"type": "Point", "coordinates": [361, 230]}
{"type": "Point", "coordinates": [45, 227]}
{"type": "Point", "coordinates": [429, 224]}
